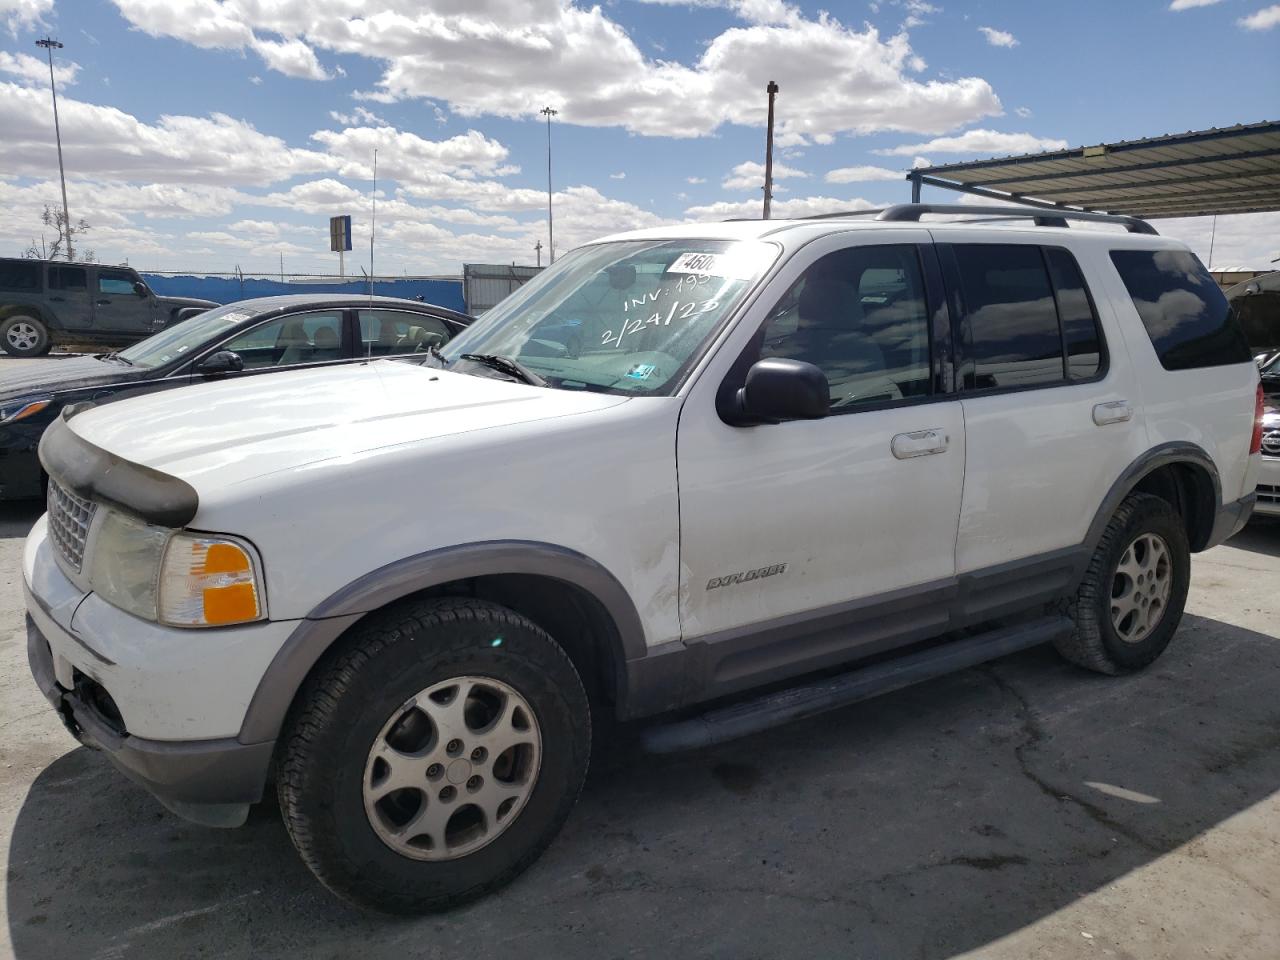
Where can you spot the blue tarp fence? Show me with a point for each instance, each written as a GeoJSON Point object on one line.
{"type": "Point", "coordinates": [445, 293]}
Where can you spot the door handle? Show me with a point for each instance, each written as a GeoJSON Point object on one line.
{"type": "Point", "coordinates": [1117, 411]}
{"type": "Point", "coordinates": [919, 443]}
{"type": "Point", "coordinates": [103, 303]}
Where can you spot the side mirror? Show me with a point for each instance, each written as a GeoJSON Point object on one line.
{"type": "Point", "coordinates": [778, 389]}
{"type": "Point", "coordinates": [140, 289]}
{"type": "Point", "coordinates": [223, 361]}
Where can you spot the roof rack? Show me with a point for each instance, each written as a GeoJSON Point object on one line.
{"type": "Point", "coordinates": [1043, 216]}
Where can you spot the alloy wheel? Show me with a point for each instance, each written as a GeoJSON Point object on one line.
{"type": "Point", "coordinates": [1141, 587]}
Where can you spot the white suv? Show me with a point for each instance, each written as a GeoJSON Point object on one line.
{"type": "Point", "coordinates": [680, 464]}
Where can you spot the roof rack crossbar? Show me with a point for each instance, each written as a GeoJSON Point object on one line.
{"type": "Point", "coordinates": [1043, 216]}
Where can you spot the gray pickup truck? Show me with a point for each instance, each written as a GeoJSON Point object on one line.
{"type": "Point", "coordinates": [43, 303]}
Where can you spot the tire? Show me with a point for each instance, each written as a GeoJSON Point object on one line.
{"type": "Point", "coordinates": [1122, 624]}
{"type": "Point", "coordinates": [386, 694]}
{"type": "Point", "coordinates": [24, 336]}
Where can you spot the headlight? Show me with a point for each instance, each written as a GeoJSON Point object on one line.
{"type": "Point", "coordinates": [182, 579]}
{"type": "Point", "coordinates": [22, 408]}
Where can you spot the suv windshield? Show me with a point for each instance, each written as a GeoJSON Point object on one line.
{"type": "Point", "coordinates": [177, 341]}
{"type": "Point", "coordinates": [627, 317]}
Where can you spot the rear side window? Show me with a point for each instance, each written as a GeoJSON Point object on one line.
{"type": "Point", "coordinates": [20, 276]}
{"type": "Point", "coordinates": [1185, 313]}
{"type": "Point", "coordinates": [1080, 333]}
{"type": "Point", "coordinates": [1011, 336]}
{"type": "Point", "coordinates": [115, 282]}
{"type": "Point", "coordinates": [67, 278]}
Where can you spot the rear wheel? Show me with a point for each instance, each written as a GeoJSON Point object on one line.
{"type": "Point", "coordinates": [436, 757]}
{"type": "Point", "coordinates": [23, 336]}
{"type": "Point", "coordinates": [1131, 599]}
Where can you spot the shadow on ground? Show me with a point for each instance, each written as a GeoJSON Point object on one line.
{"type": "Point", "coordinates": [921, 824]}
{"type": "Point", "coordinates": [1262, 535]}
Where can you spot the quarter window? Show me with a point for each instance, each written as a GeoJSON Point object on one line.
{"type": "Point", "coordinates": [386, 333]}
{"type": "Point", "coordinates": [1011, 333]}
{"type": "Point", "coordinates": [1185, 313]}
{"type": "Point", "coordinates": [20, 276]}
{"type": "Point", "coordinates": [859, 315]}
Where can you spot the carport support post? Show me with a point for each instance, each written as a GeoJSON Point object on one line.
{"type": "Point", "coordinates": [915, 187]}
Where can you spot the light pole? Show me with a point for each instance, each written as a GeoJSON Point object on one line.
{"type": "Point", "coordinates": [772, 90]}
{"type": "Point", "coordinates": [551, 225]}
{"type": "Point", "coordinates": [50, 45]}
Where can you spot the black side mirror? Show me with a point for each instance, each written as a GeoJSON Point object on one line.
{"type": "Point", "coordinates": [140, 288]}
{"type": "Point", "coordinates": [223, 361]}
{"type": "Point", "coordinates": [778, 389]}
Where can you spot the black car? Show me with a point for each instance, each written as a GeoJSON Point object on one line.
{"type": "Point", "coordinates": [45, 302]}
{"type": "Point", "coordinates": [244, 339]}
{"type": "Point", "coordinates": [1257, 304]}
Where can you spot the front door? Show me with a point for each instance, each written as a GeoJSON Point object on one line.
{"type": "Point", "coordinates": [68, 297]}
{"type": "Point", "coordinates": [836, 534]}
{"type": "Point", "coordinates": [117, 306]}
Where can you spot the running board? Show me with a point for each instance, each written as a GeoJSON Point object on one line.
{"type": "Point", "coordinates": [831, 693]}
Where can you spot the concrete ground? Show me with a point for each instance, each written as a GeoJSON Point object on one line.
{"type": "Point", "coordinates": [1021, 810]}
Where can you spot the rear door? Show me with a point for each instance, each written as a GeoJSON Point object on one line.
{"type": "Point", "coordinates": [117, 306]}
{"type": "Point", "coordinates": [393, 333]}
{"type": "Point", "coordinates": [67, 294]}
{"type": "Point", "coordinates": [1051, 416]}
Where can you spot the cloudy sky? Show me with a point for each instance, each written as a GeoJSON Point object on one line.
{"type": "Point", "coordinates": [210, 134]}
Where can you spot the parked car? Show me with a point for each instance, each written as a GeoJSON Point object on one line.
{"type": "Point", "coordinates": [782, 447]}
{"type": "Point", "coordinates": [236, 341]}
{"type": "Point", "coordinates": [1257, 304]}
{"type": "Point", "coordinates": [1269, 476]}
{"type": "Point", "coordinates": [46, 302]}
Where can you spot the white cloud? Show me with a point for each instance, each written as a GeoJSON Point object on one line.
{"type": "Point", "coordinates": [780, 209]}
{"type": "Point", "coordinates": [35, 71]}
{"type": "Point", "coordinates": [111, 144]}
{"type": "Point", "coordinates": [998, 38]}
{"type": "Point", "coordinates": [293, 58]}
{"type": "Point", "coordinates": [360, 116]}
{"type": "Point", "coordinates": [695, 180]}
{"type": "Point", "coordinates": [919, 162]}
{"type": "Point", "coordinates": [990, 142]}
{"type": "Point", "coordinates": [407, 157]}
{"type": "Point", "coordinates": [862, 174]}
{"type": "Point", "coordinates": [1023, 112]}
{"type": "Point", "coordinates": [1263, 19]}
{"type": "Point", "coordinates": [509, 59]}
{"type": "Point", "coordinates": [620, 175]}
{"type": "Point", "coordinates": [917, 10]}
{"type": "Point", "coordinates": [255, 80]}
{"type": "Point", "coordinates": [23, 13]}
{"type": "Point", "coordinates": [1190, 4]}
{"type": "Point", "coordinates": [750, 175]}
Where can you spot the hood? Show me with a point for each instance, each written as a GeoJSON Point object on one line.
{"type": "Point", "coordinates": [56, 376]}
{"type": "Point", "coordinates": [227, 432]}
{"type": "Point", "coordinates": [186, 302]}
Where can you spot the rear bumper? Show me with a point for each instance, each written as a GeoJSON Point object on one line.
{"type": "Point", "coordinates": [208, 781]}
{"type": "Point", "coordinates": [1231, 519]}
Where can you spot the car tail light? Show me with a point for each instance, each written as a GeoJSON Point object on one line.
{"type": "Point", "coordinates": [1255, 445]}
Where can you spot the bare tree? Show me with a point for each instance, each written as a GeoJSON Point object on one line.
{"type": "Point", "coordinates": [56, 219]}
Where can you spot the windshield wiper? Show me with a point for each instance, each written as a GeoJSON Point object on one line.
{"type": "Point", "coordinates": [117, 357]}
{"type": "Point", "coordinates": [512, 368]}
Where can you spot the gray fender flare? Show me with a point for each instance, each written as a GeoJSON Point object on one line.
{"type": "Point", "coordinates": [314, 635]}
{"type": "Point", "coordinates": [1155, 458]}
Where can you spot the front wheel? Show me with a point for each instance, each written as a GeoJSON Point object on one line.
{"type": "Point", "coordinates": [435, 757]}
{"type": "Point", "coordinates": [23, 336]}
{"type": "Point", "coordinates": [1131, 599]}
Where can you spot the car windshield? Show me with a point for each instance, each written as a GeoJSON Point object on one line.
{"type": "Point", "coordinates": [627, 317]}
{"type": "Point", "coordinates": [182, 338]}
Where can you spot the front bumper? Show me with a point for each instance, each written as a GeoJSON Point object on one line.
{"type": "Point", "coordinates": [209, 781]}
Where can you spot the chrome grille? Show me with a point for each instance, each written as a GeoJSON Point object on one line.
{"type": "Point", "coordinates": [1268, 493]}
{"type": "Point", "coordinates": [69, 519]}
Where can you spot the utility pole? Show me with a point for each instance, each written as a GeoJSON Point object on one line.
{"type": "Point", "coordinates": [373, 219]}
{"type": "Point", "coordinates": [537, 249]}
{"type": "Point", "coordinates": [50, 45]}
{"type": "Point", "coordinates": [551, 227]}
{"type": "Point", "coordinates": [772, 90]}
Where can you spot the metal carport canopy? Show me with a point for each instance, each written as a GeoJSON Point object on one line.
{"type": "Point", "coordinates": [1223, 170]}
